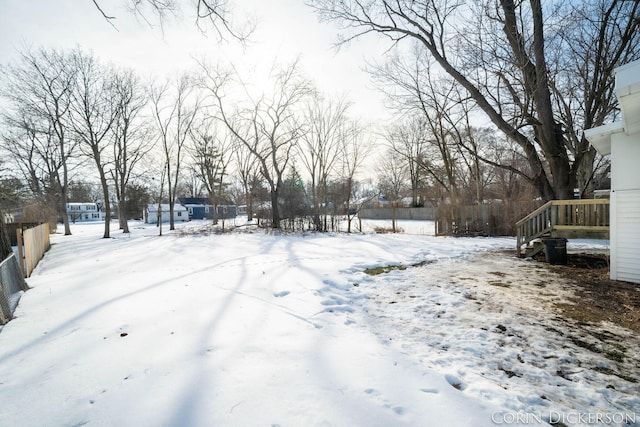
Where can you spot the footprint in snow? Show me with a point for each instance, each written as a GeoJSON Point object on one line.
{"type": "Point", "coordinates": [455, 382]}
{"type": "Point", "coordinates": [400, 410]}
{"type": "Point", "coordinates": [281, 294]}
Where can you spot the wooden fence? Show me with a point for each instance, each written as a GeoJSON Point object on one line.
{"type": "Point", "coordinates": [32, 244]}
{"type": "Point", "coordinates": [495, 219]}
{"type": "Point", "coordinates": [398, 213]}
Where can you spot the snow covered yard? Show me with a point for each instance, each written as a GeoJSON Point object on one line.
{"type": "Point", "coordinates": [249, 329]}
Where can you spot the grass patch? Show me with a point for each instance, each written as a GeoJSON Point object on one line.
{"type": "Point", "coordinates": [593, 347]}
{"type": "Point", "coordinates": [608, 371]}
{"type": "Point", "coordinates": [500, 284]}
{"type": "Point", "coordinates": [579, 313]}
{"type": "Point", "coordinates": [620, 347]}
{"type": "Point", "coordinates": [614, 355]}
{"type": "Point", "coordinates": [384, 269]}
{"type": "Point", "coordinates": [387, 230]}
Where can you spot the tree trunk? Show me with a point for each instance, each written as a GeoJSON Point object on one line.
{"type": "Point", "coordinates": [65, 217]}
{"type": "Point", "coordinates": [249, 206]}
{"type": "Point", "coordinates": [122, 216]}
{"type": "Point", "coordinates": [275, 210]}
{"type": "Point", "coordinates": [63, 186]}
{"type": "Point", "coordinates": [107, 204]}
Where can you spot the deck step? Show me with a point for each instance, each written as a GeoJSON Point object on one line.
{"type": "Point", "coordinates": [569, 219]}
{"type": "Point", "coordinates": [533, 248]}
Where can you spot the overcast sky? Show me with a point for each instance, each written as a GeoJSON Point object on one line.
{"type": "Point", "coordinates": [286, 29]}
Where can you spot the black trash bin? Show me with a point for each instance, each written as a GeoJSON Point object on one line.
{"type": "Point", "coordinates": [555, 250]}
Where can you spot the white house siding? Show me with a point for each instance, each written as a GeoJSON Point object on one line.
{"type": "Point", "coordinates": [622, 140]}
{"type": "Point", "coordinates": [625, 207]}
{"type": "Point", "coordinates": [83, 212]}
{"type": "Point", "coordinates": [625, 251]}
{"type": "Point", "coordinates": [180, 213]}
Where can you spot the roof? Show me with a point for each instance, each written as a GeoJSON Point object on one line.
{"type": "Point", "coordinates": [194, 200]}
{"type": "Point", "coordinates": [628, 93]}
{"type": "Point", "coordinates": [204, 201]}
{"type": "Point", "coordinates": [153, 207]}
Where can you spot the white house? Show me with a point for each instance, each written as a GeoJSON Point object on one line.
{"type": "Point", "coordinates": [180, 213]}
{"type": "Point", "coordinates": [83, 212]}
{"type": "Point", "coordinates": [621, 140]}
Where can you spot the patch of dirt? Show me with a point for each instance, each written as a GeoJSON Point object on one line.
{"type": "Point", "coordinates": [596, 297]}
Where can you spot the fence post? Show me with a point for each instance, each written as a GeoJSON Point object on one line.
{"type": "Point", "coordinates": [20, 250]}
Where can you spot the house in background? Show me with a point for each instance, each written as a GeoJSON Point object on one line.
{"type": "Point", "coordinates": [150, 213]}
{"type": "Point", "coordinates": [84, 212]}
{"type": "Point", "coordinates": [201, 208]}
{"type": "Point", "coordinates": [621, 140]}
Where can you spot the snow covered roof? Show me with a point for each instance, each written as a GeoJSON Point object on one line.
{"type": "Point", "coordinates": [153, 207]}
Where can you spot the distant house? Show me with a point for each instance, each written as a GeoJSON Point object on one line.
{"type": "Point", "coordinates": [201, 208]}
{"type": "Point", "coordinates": [375, 202]}
{"type": "Point", "coordinates": [150, 214]}
{"type": "Point", "coordinates": [621, 140]}
{"type": "Point", "coordinates": [85, 212]}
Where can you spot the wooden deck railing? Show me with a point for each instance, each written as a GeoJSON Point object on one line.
{"type": "Point", "coordinates": [582, 216]}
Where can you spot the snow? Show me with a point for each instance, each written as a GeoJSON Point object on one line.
{"type": "Point", "coordinates": [250, 328]}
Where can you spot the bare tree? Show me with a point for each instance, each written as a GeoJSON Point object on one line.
{"type": "Point", "coordinates": [214, 13]}
{"type": "Point", "coordinates": [409, 139]}
{"type": "Point", "coordinates": [39, 91]}
{"type": "Point", "coordinates": [94, 114]}
{"type": "Point", "coordinates": [175, 107]}
{"type": "Point", "coordinates": [439, 141]}
{"type": "Point", "coordinates": [33, 153]}
{"type": "Point", "coordinates": [192, 183]}
{"type": "Point", "coordinates": [132, 138]}
{"type": "Point", "coordinates": [268, 127]}
{"type": "Point", "coordinates": [392, 180]}
{"type": "Point", "coordinates": [248, 172]}
{"type": "Point", "coordinates": [354, 149]}
{"type": "Point", "coordinates": [510, 62]}
{"type": "Point", "coordinates": [212, 150]}
{"type": "Point", "coordinates": [320, 149]}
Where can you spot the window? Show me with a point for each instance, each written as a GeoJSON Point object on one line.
{"type": "Point", "coordinates": [179, 213]}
